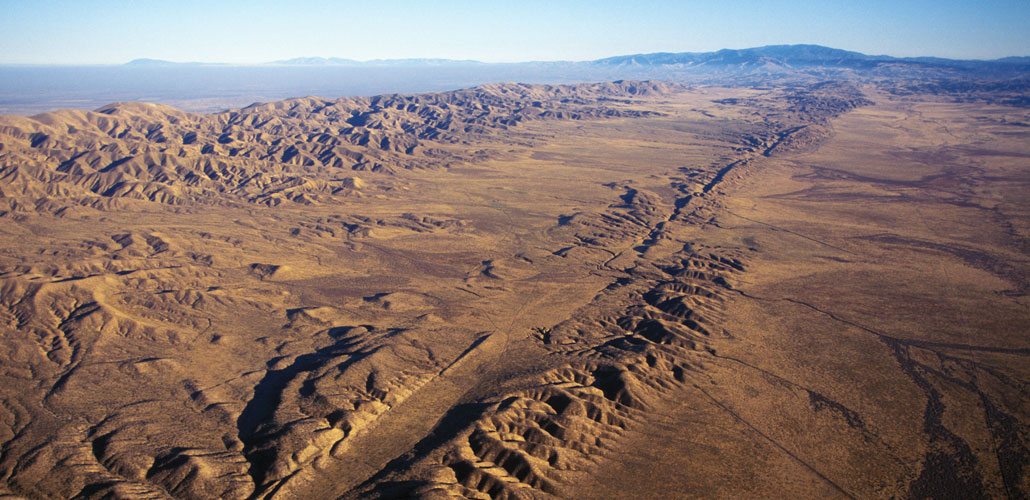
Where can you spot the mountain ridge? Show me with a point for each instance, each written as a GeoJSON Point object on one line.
{"type": "Point", "coordinates": [801, 55]}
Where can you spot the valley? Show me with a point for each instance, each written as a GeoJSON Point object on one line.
{"type": "Point", "coordinates": [632, 289]}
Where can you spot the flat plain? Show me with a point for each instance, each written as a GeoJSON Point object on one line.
{"type": "Point", "coordinates": [623, 290]}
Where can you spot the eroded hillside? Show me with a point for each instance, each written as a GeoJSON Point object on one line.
{"type": "Point", "coordinates": [268, 153]}
{"type": "Point", "coordinates": [631, 289]}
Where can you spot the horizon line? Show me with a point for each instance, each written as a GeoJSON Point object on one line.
{"type": "Point", "coordinates": [285, 62]}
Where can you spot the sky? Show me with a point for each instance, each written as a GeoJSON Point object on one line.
{"type": "Point", "coordinates": [257, 31]}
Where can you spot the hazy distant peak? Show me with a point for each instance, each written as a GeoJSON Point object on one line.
{"type": "Point", "coordinates": [316, 61]}
{"type": "Point", "coordinates": [337, 61]}
{"type": "Point", "coordinates": [161, 62]}
{"type": "Point", "coordinates": [149, 62]}
{"type": "Point", "coordinates": [1014, 60]}
{"type": "Point", "coordinates": [803, 54]}
{"type": "Point", "coordinates": [808, 51]}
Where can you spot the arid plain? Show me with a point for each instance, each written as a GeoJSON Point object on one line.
{"type": "Point", "coordinates": [620, 290]}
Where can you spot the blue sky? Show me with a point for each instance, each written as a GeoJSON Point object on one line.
{"type": "Point", "coordinates": [110, 32]}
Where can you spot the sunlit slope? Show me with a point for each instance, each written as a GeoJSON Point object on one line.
{"type": "Point", "coordinates": [631, 290]}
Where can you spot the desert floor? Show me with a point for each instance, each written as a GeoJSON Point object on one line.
{"type": "Point", "coordinates": [708, 293]}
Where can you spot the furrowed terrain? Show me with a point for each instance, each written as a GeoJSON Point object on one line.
{"type": "Point", "coordinates": [619, 290]}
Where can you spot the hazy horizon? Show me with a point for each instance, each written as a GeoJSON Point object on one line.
{"type": "Point", "coordinates": [237, 33]}
{"type": "Point", "coordinates": [27, 90]}
{"type": "Point", "coordinates": [30, 89]}
{"type": "Point", "coordinates": [286, 61]}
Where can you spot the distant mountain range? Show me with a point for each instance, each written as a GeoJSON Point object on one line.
{"type": "Point", "coordinates": [807, 56]}
{"type": "Point", "coordinates": [796, 56]}
{"type": "Point", "coordinates": [757, 62]}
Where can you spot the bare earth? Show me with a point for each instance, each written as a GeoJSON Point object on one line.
{"type": "Point", "coordinates": [624, 290]}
